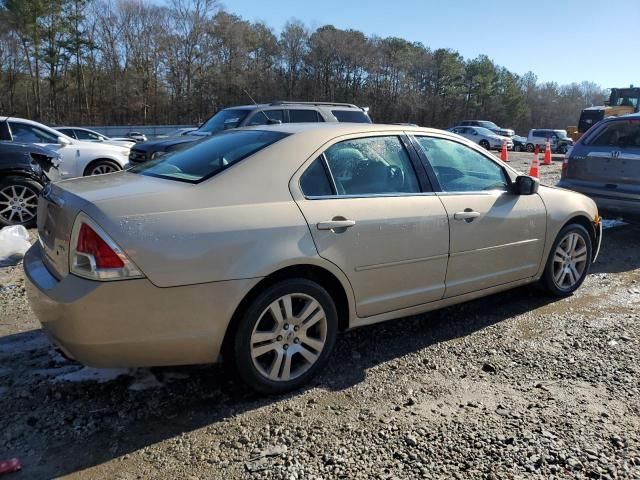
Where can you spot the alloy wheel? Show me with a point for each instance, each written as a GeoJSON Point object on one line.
{"type": "Point", "coordinates": [18, 204]}
{"type": "Point", "coordinates": [103, 168]}
{"type": "Point", "coordinates": [569, 261]}
{"type": "Point", "coordinates": [289, 337]}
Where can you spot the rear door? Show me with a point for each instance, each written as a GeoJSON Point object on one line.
{"type": "Point", "coordinates": [370, 215]}
{"type": "Point", "coordinates": [497, 237]}
{"type": "Point", "coordinates": [611, 156]}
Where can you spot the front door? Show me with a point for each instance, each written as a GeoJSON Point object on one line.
{"type": "Point", "coordinates": [369, 216]}
{"type": "Point", "coordinates": [497, 237]}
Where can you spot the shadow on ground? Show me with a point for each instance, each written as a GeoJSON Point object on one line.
{"type": "Point", "coordinates": [58, 428]}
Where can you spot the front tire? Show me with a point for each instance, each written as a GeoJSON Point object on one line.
{"type": "Point", "coordinates": [18, 201]}
{"type": "Point", "coordinates": [569, 261]}
{"type": "Point", "coordinates": [530, 147]}
{"type": "Point", "coordinates": [285, 336]}
{"type": "Point", "coordinates": [100, 167]}
{"type": "Point", "coordinates": [485, 144]}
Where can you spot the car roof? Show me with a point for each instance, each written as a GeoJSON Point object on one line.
{"type": "Point", "coordinates": [292, 104]}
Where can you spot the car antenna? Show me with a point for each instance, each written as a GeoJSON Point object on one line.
{"type": "Point", "coordinates": [269, 120]}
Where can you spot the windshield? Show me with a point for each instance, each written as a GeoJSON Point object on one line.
{"type": "Point", "coordinates": [204, 159]}
{"type": "Point", "coordinates": [484, 131]}
{"type": "Point", "coordinates": [223, 120]}
{"type": "Point", "coordinates": [489, 125]}
{"type": "Point", "coordinates": [626, 98]}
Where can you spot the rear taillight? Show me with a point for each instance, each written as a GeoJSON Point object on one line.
{"type": "Point", "coordinates": [95, 256]}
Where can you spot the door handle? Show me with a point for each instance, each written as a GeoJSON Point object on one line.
{"type": "Point", "coordinates": [468, 215]}
{"type": "Point", "coordinates": [336, 225]}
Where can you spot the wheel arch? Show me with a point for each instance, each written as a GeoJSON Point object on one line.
{"type": "Point", "coordinates": [94, 162]}
{"type": "Point", "coordinates": [327, 279]}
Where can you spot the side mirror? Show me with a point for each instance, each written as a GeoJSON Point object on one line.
{"type": "Point", "coordinates": [64, 141]}
{"type": "Point", "coordinates": [526, 185]}
{"type": "Point", "coordinates": [273, 121]}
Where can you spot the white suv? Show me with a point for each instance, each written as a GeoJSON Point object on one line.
{"type": "Point", "coordinates": [558, 139]}
{"type": "Point", "coordinates": [77, 158]}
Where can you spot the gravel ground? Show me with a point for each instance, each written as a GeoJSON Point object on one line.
{"type": "Point", "coordinates": [515, 385]}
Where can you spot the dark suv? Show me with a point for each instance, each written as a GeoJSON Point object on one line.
{"type": "Point", "coordinates": [249, 115]}
{"type": "Point", "coordinates": [605, 165]}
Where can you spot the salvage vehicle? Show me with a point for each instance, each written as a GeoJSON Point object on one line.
{"type": "Point", "coordinates": [519, 143]}
{"type": "Point", "coordinates": [88, 135]}
{"type": "Point", "coordinates": [24, 170]}
{"type": "Point", "coordinates": [605, 165]}
{"type": "Point", "coordinates": [78, 158]}
{"type": "Point", "coordinates": [622, 101]}
{"type": "Point", "coordinates": [258, 245]}
{"type": "Point", "coordinates": [247, 115]}
{"type": "Point", "coordinates": [483, 137]}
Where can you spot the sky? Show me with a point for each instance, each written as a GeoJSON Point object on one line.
{"type": "Point", "coordinates": [563, 40]}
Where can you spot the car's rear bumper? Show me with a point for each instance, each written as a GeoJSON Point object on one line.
{"type": "Point", "coordinates": [132, 323]}
{"type": "Point", "coordinates": [611, 203]}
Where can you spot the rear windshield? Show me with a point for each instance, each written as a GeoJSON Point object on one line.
{"type": "Point", "coordinates": [619, 134]}
{"type": "Point", "coordinates": [351, 116]}
{"type": "Point", "coordinates": [204, 159]}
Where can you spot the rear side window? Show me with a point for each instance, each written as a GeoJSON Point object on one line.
{"type": "Point", "coordinates": [619, 134]}
{"type": "Point", "coordinates": [351, 116]}
{"type": "Point", "coordinates": [370, 166]}
{"type": "Point", "coordinates": [205, 158]}
{"type": "Point", "coordinates": [68, 131]}
{"type": "Point", "coordinates": [304, 116]}
{"type": "Point", "coordinates": [314, 182]}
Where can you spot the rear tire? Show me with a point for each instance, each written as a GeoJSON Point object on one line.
{"type": "Point", "coordinates": [18, 201]}
{"type": "Point", "coordinates": [569, 261]}
{"type": "Point", "coordinates": [100, 167]}
{"type": "Point", "coordinates": [285, 336]}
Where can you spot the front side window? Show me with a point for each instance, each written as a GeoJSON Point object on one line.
{"type": "Point", "coordinates": [263, 117]}
{"type": "Point", "coordinates": [31, 134]}
{"type": "Point", "coordinates": [205, 158]}
{"type": "Point", "coordinates": [373, 165]}
{"type": "Point", "coordinates": [460, 168]}
{"type": "Point", "coordinates": [619, 134]}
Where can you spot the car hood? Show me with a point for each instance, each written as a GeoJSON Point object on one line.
{"type": "Point", "coordinates": [156, 145]}
{"type": "Point", "coordinates": [100, 147]}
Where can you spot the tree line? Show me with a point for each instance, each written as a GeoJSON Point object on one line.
{"type": "Point", "coordinates": [101, 62]}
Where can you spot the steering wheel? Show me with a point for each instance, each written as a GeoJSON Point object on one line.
{"type": "Point", "coordinates": [396, 176]}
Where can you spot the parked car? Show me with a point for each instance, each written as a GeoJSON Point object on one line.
{"type": "Point", "coordinates": [605, 165]}
{"type": "Point", "coordinates": [78, 158]}
{"type": "Point", "coordinates": [137, 136]}
{"type": "Point", "coordinates": [24, 170]}
{"type": "Point", "coordinates": [483, 137]}
{"type": "Point", "coordinates": [505, 132]}
{"type": "Point", "coordinates": [178, 132]}
{"type": "Point", "coordinates": [559, 140]}
{"type": "Point", "coordinates": [87, 135]}
{"type": "Point", "coordinates": [519, 143]}
{"type": "Point", "coordinates": [248, 115]}
{"type": "Point", "coordinates": [207, 263]}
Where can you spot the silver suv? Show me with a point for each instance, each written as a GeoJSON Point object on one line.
{"type": "Point", "coordinates": [559, 140]}
{"type": "Point", "coordinates": [605, 165]}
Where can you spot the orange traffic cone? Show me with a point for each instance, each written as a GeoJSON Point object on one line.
{"type": "Point", "coordinates": [547, 153]}
{"type": "Point", "coordinates": [504, 155]}
{"type": "Point", "coordinates": [534, 171]}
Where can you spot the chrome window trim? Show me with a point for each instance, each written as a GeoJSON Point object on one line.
{"type": "Point", "coordinates": [372, 195]}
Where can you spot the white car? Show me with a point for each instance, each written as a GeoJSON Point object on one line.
{"type": "Point", "coordinates": [483, 136]}
{"type": "Point", "coordinates": [87, 135]}
{"type": "Point", "coordinates": [78, 158]}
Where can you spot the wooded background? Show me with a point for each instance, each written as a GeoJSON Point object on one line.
{"type": "Point", "coordinates": [100, 62]}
